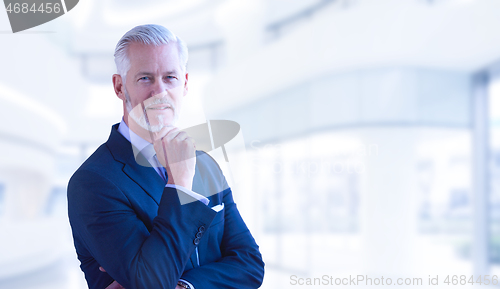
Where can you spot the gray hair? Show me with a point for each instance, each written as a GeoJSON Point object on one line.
{"type": "Point", "coordinates": [150, 34]}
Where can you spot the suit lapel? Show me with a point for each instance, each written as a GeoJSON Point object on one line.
{"type": "Point", "coordinates": [146, 177]}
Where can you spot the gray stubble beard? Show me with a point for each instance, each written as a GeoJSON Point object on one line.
{"type": "Point", "coordinates": [142, 120]}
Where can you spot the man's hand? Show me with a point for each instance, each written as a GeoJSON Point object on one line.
{"type": "Point", "coordinates": [114, 285]}
{"type": "Point", "coordinates": [176, 152]}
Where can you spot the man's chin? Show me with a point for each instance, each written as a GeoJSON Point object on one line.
{"type": "Point", "coordinates": [161, 122]}
{"type": "Point", "coordinates": [155, 125]}
{"type": "Point", "coordinates": [152, 127]}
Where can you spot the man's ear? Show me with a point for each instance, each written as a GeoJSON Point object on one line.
{"type": "Point", "coordinates": [186, 84]}
{"type": "Point", "coordinates": [118, 86]}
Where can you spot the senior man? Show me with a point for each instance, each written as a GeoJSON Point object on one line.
{"type": "Point", "coordinates": [146, 209]}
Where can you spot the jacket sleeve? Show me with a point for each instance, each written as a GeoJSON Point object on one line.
{"type": "Point", "coordinates": [241, 264]}
{"type": "Point", "coordinates": [120, 242]}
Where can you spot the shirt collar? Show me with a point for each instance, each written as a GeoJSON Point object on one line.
{"type": "Point", "coordinates": [138, 142]}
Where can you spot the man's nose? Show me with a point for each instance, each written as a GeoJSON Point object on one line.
{"type": "Point", "coordinates": [159, 87]}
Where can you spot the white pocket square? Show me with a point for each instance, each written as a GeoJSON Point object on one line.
{"type": "Point", "coordinates": [218, 208]}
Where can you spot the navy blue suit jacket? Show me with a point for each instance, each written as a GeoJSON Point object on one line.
{"type": "Point", "coordinates": [125, 220]}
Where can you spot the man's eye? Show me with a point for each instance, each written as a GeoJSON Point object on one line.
{"type": "Point", "coordinates": [144, 78]}
{"type": "Point", "coordinates": [171, 77]}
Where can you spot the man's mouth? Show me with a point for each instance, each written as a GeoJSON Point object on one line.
{"type": "Point", "coordinates": [159, 107]}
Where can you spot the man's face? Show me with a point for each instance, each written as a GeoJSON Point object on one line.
{"type": "Point", "coordinates": [155, 86]}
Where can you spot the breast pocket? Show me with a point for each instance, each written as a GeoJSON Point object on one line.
{"type": "Point", "coordinates": [219, 217]}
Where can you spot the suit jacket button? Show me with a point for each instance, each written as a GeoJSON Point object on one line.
{"type": "Point", "coordinates": [201, 229]}
{"type": "Point", "coordinates": [198, 235]}
{"type": "Point", "coordinates": [196, 241]}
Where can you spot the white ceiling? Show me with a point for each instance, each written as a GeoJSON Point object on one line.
{"type": "Point", "coordinates": [460, 35]}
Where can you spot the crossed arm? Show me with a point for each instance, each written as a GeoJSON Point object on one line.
{"type": "Point", "coordinates": [104, 221]}
{"type": "Point", "coordinates": [116, 285]}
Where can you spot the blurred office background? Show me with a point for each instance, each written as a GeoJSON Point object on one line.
{"type": "Point", "coordinates": [369, 142]}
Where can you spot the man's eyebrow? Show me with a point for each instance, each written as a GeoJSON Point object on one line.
{"type": "Point", "coordinates": [171, 72]}
{"type": "Point", "coordinates": [151, 73]}
{"type": "Point", "coordinates": [143, 73]}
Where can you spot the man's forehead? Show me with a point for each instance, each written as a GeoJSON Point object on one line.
{"type": "Point", "coordinates": [148, 58]}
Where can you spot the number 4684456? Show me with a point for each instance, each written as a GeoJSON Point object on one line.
{"type": "Point", "coordinates": [463, 280]}
{"type": "Point", "coordinates": [34, 8]}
